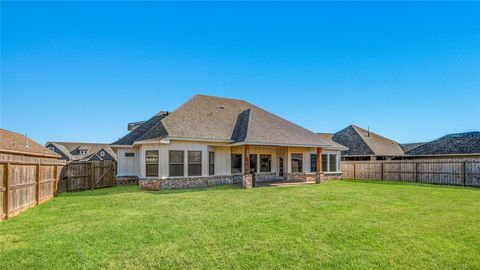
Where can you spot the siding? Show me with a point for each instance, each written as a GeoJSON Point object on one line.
{"type": "Point", "coordinates": [127, 166]}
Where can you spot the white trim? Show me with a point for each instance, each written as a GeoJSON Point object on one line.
{"type": "Point", "coordinates": [278, 144]}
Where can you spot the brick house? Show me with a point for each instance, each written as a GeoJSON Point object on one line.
{"type": "Point", "coordinates": [212, 140]}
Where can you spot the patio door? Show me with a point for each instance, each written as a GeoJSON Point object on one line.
{"type": "Point", "coordinates": [280, 166]}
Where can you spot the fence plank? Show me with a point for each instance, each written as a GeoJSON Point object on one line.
{"type": "Point", "coordinates": [463, 172]}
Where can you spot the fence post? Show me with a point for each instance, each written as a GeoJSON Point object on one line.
{"type": "Point", "coordinates": [354, 174]}
{"type": "Point", "coordinates": [55, 182]}
{"type": "Point", "coordinates": [381, 171]}
{"type": "Point", "coordinates": [464, 179]}
{"type": "Point", "coordinates": [37, 179]}
{"type": "Point", "coordinates": [416, 171]}
{"type": "Point", "coordinates": [6, 184]}
{"type": "Point", "coordinates": [92, 176]}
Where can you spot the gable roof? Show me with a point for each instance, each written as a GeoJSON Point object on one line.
{"type": "Point", "coordinates": [328, 138]}
{"type": "Point", "coordinates": [459, 143]}
{"type": "Point", "coordinates": [12, 142]}
{"type": "Point", "coordinates": [70, 149]}
{"type": "Point", "coordinates": [366, 143]}
{"type": "Point", "coordinates": [410, 146]}
{"type": "Point", "coordinates": [223, 120]}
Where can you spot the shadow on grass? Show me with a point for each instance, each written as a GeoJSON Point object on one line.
{"type": "Point", "coordinates": [398, 183]}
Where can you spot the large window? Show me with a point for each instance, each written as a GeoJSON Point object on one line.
{"type": "Point", "coordinates": [151, 163]}
{"type": "Point", "coordinates": [333, 163]}
{"type": "Point", "coordinates": [325, 163]}
{"type": "Point", "coordinates": [297, 163]}
{"type": "Point", "coordinates": [211, 163]}
{"type": "Point", "coordinates": [175, 162]}
{"type": "Point", "coordinates": [313, 162]}
{"type": "Point", "coordinates": [253, 163]}
{"type": "Point", "coordinates": [194, 163]}
{"type": "Point", "coordinates": [236, 163]}
{"type": "Point", "coordinates": [329, 162]}
{"type": "Point", "coordinates": [265, 163]}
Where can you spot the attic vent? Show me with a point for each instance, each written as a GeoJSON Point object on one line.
{"type": "Point", "coordinates": [222, 107]}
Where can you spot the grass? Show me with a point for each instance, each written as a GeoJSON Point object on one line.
{"type": "Point", "coordinates": [337, 225]}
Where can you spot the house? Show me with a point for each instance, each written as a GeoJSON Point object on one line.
{"type": "Point", "coordinates": [72, 151]}
{"type": "Point", "coordinates": [459, 145]}
{"type": "Point", "coordinates": [29, 173]}
{"type": "Point", "coordinates": [406, 147]}
{"type": "Point", "coordinates": [365, 145]}
{"type": "Point", "coordinates": [213, 140]}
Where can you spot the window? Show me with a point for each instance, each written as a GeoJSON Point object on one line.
{"type": "Point", "coordinates": [333, 163]}
{"type": "Point", "coordinates": [129, 154]}
{"type": "Point", "coordinates": [265, 163]}
{"type": "Point", "coordinates": [102, 154]}
{"type": "Point", "coordinates": [82, 151]}
{"type": "Point", "coordinates": [313, 162]}
{"type": "Point", "coordinates": [175, 161]}
{"type": "Point", "coordinates": [194, 163]}
{"type": "Point", "coordinates": [329, 163]}
{"type": "Point", "coordinates": [236, 163]}
{"type": "Point", "coordinates": [297, 162]}
{"type": "Point", "coordinates": [253, 163]}
{"type": "Point", "coordinates": [324, 163]}
{"type": "Point", "coordinates": [211, 163]}
{"type": "Point", "coordinates": [151, 163]}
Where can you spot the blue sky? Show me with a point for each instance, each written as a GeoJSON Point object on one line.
{"type": "Point", "coordinates": [82, 71]}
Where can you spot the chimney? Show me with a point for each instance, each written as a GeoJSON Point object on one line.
{"type": "Point", "coordinates": [368, 133]}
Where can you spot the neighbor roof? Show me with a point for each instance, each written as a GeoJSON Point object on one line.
{"type": "Point", "coordinates": [12, 142]}
{"type": "Point", "coordinates": [460, 143]}
{"type": "Point", "coordinates": [410, 146]}
{"type": "Point", "coordinates": [327, 137]}
{"type": "Point", "coordinates": [366, 143]}
{"type": "Point", "coordinates": [68, 148]}
{"type": "Point", "coordinates": [222, 119]}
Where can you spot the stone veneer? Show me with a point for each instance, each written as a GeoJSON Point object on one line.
{"type": "Point", "coordinates": [333, 176]}
{"type": "Point", "coordinates": [126, 180]}
{"type": "Point", "coordinates": [265, 176]}
{"type": "Point", "coordinates": [300, 177]}
{"type": "Point", "coordinates": [185, 182]}
{"type": "Point", "coordinates": [247, 181]}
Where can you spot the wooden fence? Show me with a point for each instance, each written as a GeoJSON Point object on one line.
{"type": "Point", "coordinates": [460, 172]}
{"type": "Point", "coordinates": [89, 175]}
{"type": "Point", "coordinates": [26, 182]}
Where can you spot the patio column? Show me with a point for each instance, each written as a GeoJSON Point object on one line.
{"type": "Point", "coordinates": [247, 177]}
{"type": "Point", "coordinates": [319, 174]}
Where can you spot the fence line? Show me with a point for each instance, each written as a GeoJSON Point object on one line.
{"type": "Point", "coordinates": [462, 172]}
{"type": "Point", "coordinates": [82, 175]}
{"type": "Point", "coordinates": [26, 182]}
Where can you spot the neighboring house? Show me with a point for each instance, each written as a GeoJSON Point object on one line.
{"type": "Point", "coordinates": [410, 146]}
{"type": "Point", "coordinates": [365, 145]}
{"type": "Point", "coordinates": [13, 143]}
{"type": "Point", "coordinates": [212, 140]}
{"type": "Point", "coordinates": [72, 151]}
{"type": "Point", "coordinates": [460, 145]}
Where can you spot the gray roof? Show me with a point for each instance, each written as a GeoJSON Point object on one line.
{"type": "Point", "coordinates": [222, 119]}
{"type": "Point", "coordinates": [410, 146]}
{"type": "Point", "coordinates": [366, 143]}
{"type": "Point", "coordinates": [328, 138]}
{"type": "Point", "coordinates": [69, 149]}
{"type": "Point", "coordinates": [460, 143]}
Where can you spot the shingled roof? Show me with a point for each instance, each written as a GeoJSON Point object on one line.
{"type": "Point", "coordinates": [452, 144]}
{"type": "Point", "coordinates": [327, 137]}
{"type": "Point", "coordinates": [14, 143]}
{"type": "Point", "coordinates": [222, 119]}
{"type": "Point", "coordinates": [410, 146]}
{"type": "Point", "coordinates": [361, 142]}
{"type": "Point", "coordinates": [69, 149]}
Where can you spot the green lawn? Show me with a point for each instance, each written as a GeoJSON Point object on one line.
{"type": "Point", "coordinates": [337, 225]}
